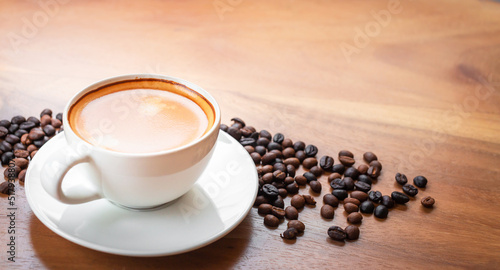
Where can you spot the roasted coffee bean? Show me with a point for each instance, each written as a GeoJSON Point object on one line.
{"type": "Point", "coordinates": [381, 211]}
{"type": "Point", "coordinates": [309, 162]}
{"type": "Point", "coordinates": [428, 201]}
{"type": "Point", "coordinates": [363, 168]}
{"type": "Point", "coordinates": [46, 112]}
{"type": "Point", "coordinates": [420, 181]}
{"type": "Point", "coordinates": [352, 232]}
{"type": "Point", "coordinates": [13, 128]}
{"type": "Point", "coordinates": [289, 180]}
{"type": "Point", "coordinates": [327, 211]}
{"type": "Point", "coordinates": [265, 134]}
{"type": "Point", "coordinates": [6, 188]}
{"type": "Point", "coordinates": [346, 153]}
{"type": "Point", "coordinates": [36, 134]}
{"type": "Point", "coordinates": [31, 148]}
{"type": "Point", "coordinates": [5, 123]}
{"type": "Point", "coordinates": [269, 158]}
{"type": "Point", "coordinates": [260, 200]}
{"type": "Point", "coordinates": [27, 125]}
{"type": "Point", "coordinates": [350, 207]}
{"type": "Point", "coordinates": [387, 201]}
{"type": "Point", "coordinates": [59, 116]}
{"type": "Point", "coordinates": [336, 233]}
{"type": "Point", "coordinates": [298, 201]}
{"type": "Point", "coordinates": [315, 186]}
{"type": "Point", "coordinates": [365, 178]}
{"type": "Point", "coordinates": [300, 155]}
{"type": "Point", "coordinates": [352, 200]}
{"type": "Point", "coordinates": [290, 169]}
{"type": "Point", "coordinates": [256, 157]}
{"type": "Point", "coordinates": [234, 132]}
{"type": "Point", "coordinates": [22, 175]}
{"type": "Point", "coordinates": [352, 172]}
{"type": "Point", "coordinates": [287, 143]}
{"type": "Point", "coordinates": [326, 163]}
{"type": "Point", "coordinates": [331, 200]}
{"type": "Point", "coordinates": [56, 123]}
{"type": "Point", "coordinates": [354, 218]}
{"type": "Point", "coordinates": [309, 199]}
{"type": "Point", "coordinates": [260, 149]}
{"type": "Point", "coordinates": [277, 153]}
{"type": "Point", "coordinates": [333, 176]}
{"type": "Point", "coordinates": [274, 146]}
{"type": "Point", "coordinates": [25, 140]}
{"type": "Point", "coordinates": [265, 209]}
{"type": "Point", "coordinates": [271, 221]}
{"type": "Point", "coordinates": [12, 139]}
{"type": "Point", "coordinates": [301, 180]}
{"type": "Point", "coordinates": [282, 192]}
{"type": "Point", "coordinates": [236, 125]}
{"type": "Point", "coordinates": [47, 120]}
{"type": "Point", "coordinates": [347, 161]}
{"type": "Point", "coordinates": [410, 190]}
{"type": "Point", "coordinates": [32, 154]}
{"type": "Point", "coordinates": [360, 195]}
{"type": "Point", "coordinates": [375, 196]}
{"type": "Point", "coordinates": [41, 142]}
{"type": "Point", "coordinates": [338, 184]}
{"type": "Point", "coordinates": [340, 194]}
{"type": "Point", "coordinates": [362, 186]}
{"type": "Point", "coordinates": [298, 225]}
{"type": "Point", "coordinates": [369, 157]}
{"type": "Point", "coordinates": [223, 127]}
{"type": "Point", "coordinates": [373, 172]}
{"type": "Point", "coordinates": [21, 162]}
{"type": "Point", "coordinates": [279, 202]}
{"type": "Point", "coordinates": [367, 207]}
{"type": "Point", "coordinates": [250, 149]}
{"type": "Point", "coordinates": [19, 146]}
{"type": "Point", "coordinates": [34, 120]}
{"type": "Point", "coordinates": [377, 164]}
{"type": "Point", "coordinates": [263, 142]}
{"type": "Point", "coordinates": [279, 176]}
{"type": "Point", "coordinates": [399, 197]}
{"type": "Point", "coordinates": [289, 234]}
{"type": "Point", "coordinates": [267, 169]}
{"type": "Point", "coordinates": [288, 153]}
{"type": "Point", "coordinates": [291, 212]}
{"type": "Point", "coordinates": [311, 150]}
{"type": "Point", "coordinates": [243, 141]}
{"type": "Point", "coordinates": [268, 178]}
{"type": "Point", "coordinates": [278, 138]}
{"type": "Point", "coordinates": [7, 157]}
{"type": "Point", "coordinates": [295, 162]}
{"type": "Point", "coordinates": [270, 191]}
{"type": "Point", "coordinates": [299, 146]}
{"type": "Point", "coordinates": [20, 132]}
{"type": "Point", "coordinates": [292, 188]}
{"type": "Point", "coordinates": [278, 212]}
{"type": "Point", "coordinates": [12, 172]}
{"type": "Point", "coordinates": [3, 132]}
{"type": "Point", "coordinates": [401, 179]}
{"type": "Point", "coordinates": [309, 176]}
{"type": "Point", "coordinates": [5, 147]}
{"type": "Point", "coordinates": [279, 166]}
{"type": "Point", "coordinates": [18, 119]}
{"type": "Point", "coordinates": [349, 183]}
{"type": "Point", "coordinates": [316, 170]}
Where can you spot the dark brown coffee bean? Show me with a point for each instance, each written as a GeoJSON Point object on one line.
{"type": "Point", "coordinates": [277, 153]}
{"type": "Point", "coordinates": [265, 134]}
{"type": "Point", "coordinates": [260, 200]}
{"type": "Point", "coordinates": [315, 186]}
{"type": "Point", "coordinates": [316, 170]}
{"type": "Point", "coordinates": [298, 146]}
{"type": "Point", "coordinates": [291, 213]}
{"type": "Point", "coordinates": [6, 157]}
{"type": "Point", "coordinates": [377, 164]}
{"type": "Point", "coordinates": [278, 212]}
{"type": "Point", "coordinates": [274, 146]}
{"type": "Point", "coordinates": [369, 157]}
{"type": "Point", "coordinates": [289, 180]}
{"type": "Point", "coordinates": [5, 147]}
{"type": "Point", "coordinates": [354, 218]}
{"type": "Point", "coordinates": [367, 207]}
{"type": "Point", "coordinates": [36, 134]}
{"type": "Point", "coordinates": [243, 141]}
{"type": "Point", "coordinates": [20, 132]}
{"type": "Point", "coordinates": [13, 128]}
{"type": "Point", "coordinates": [298, 225]}
{"type": "Point", "coordinates": [45, 120]}
{"type": "Point", "coordinates": [309, 162]}
{"type": "Point", "coordinates": [289, 234]}
{"type": "Point", "coordinates": [5, 123]}
{"type": "Point", "coordinates": [279, 202]}
{"type": "Point", "coordinates": [331, 200]}
{"type": "Point", "coordinates": [46, 112]}
{"type": "Point", "coordinates": [352, 200]}
{"type": "Point", "coordinates": [346, 153]}
{"type": "Point", "coordinates": [11, 172]}
{"type": "Point", "coordinates": [338, 184]}
{"type": "Point", "coordinates": [234, 132]}
{"type": "Point", "coordinates": [373, 172]}
{"type": "Point", "coordinates": [399, 197]}
{"type": "Point", "coordinates": [381, 211]}
{"type": "Point", "coordinates": [3, 132]}
{"type": "Point", "coordinates": [336, 233]}
{"type": "Point", "coordinates": [19, 146]}
{"type": "Point", "coordinates": [352, 232]}
{"type": "Point", "coordinates": [267, 169]}
{"type": "Point", "coordinates": [298, 201]}
{"type": "Point", "coordinates": [279, 175]}
{"type": "Point", "coordinates": [25, 140]}
{"type": "Point", "coordinates": [338, 168]}
{"type": "Point", "coordinates": [250, 149]}
{"type": "Point", "coordinates": [32, 154]}
{"type": "Point", "coordinates": [300, 155]}
{"type": "Point", "coordinates": [333, 176]}
{"type": "Point", "coordinates": [401, 179]}
{"type": "Point", "coordinates": [350, 207]}
{"type": "Point", "coordinates": [420, 181]}
{"type": "Point", "coordinates": [359, 195]}
{"type": "Point", "coordinates": [340, 194]}
{"type": "Point", "coordinates": [271, 221]}
{"type": "Point", "coordinates": [222, 127]}
{"type": "Point", "coordinates": [428, 201]}
{"type": "Point", "coordinates": [290, 169]}
{"type": "Point", "coordinates": [41, 142]}
{"type": "Point", "coordinates": [282, 192]}
{"type": "Point", "coordinates": [349, 183]}
{"type": "Point", "coordinates": [410, 190]}
{"type": "Point", "coordinates": [268, 178]}
{"type": "Point", "coordinates": [263, 142]}
{"type": "Point", "coordinates": [346, 161]}
{"type": "Point", "coordinates": [295, 162]}
{"type": "Point", "coordinates": [352, 172]}
{"type": "Point", "coordinates": [31, 148]}
{"type": "Point", "coordinates": [309, 199]}
{"type": "Point", "coordinates": [301, 180]}
{"type": "Point", "coordinates": [261, 150]}
{"type": "Point", "coordinates": [237, 126]}
{"type": "Point", "coordinates": [22, 175]}
{"type": "Point", "coordinates": [7, 188]}
{"type": "Point", "coordinates": [310, 177]}
{"type": "Point", "coordinates": [18, 119]}
{"type": "Point", "coordinates": [12, 139]}
{"type": "Point", "coordinates": [59, 116]}
{"type": "Point", "coordinates": [387, 201]}
{"type": "Point", "coordinates": [27, 125]}
{"type": "Point", "coordinates": [33, 120]}
{"type": "Point", "coordinates": [270, 191]}
{"type": "Point", "coordinates": [269, 158]}
{"type": "Point", "coordinates": [362, 186]}
{"type": "Point", "coordinates": [311, 150]}
{"type": "Point", "coordinates": [21, 162]}
{"type": "Point", "coordinates": [365, 178]}
{"type": "Point", "coordinates": [326, 163]}
{"type": "Point", "coordinates": [245, 132]}
{"type": "Point", "coordinates": [375, 196]}
{"type": "Point", "coordinates": [327, 211]}
{"type": "Point", "coordinates": [278, 138]}
{"type": "Point", "coordinates": [288, 153]}
{"type": "Point", "coordinates": [287, 143]}
{"type": "Point", "coordinates": [265, 209]}
{"type": "Point", "coordinates": [278, 166]}
{"type": "Point", "coordinates": [363, 168]}
{"type": "Point", "coordinates": [256, 158]}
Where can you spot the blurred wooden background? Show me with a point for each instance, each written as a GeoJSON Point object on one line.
{"type": "Point", "coordinates": [416, 82]}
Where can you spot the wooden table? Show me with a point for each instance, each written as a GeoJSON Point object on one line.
{"type": "Point", "coordinates": [416, 82]}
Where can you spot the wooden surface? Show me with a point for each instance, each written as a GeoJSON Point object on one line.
{"type": "Point", "coordinates": [422, 91]}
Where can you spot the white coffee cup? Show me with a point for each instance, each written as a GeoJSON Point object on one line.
{"type": "Point", "coordinates": [132, 180]}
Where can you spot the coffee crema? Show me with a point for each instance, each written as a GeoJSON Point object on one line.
{"type": "Point", "coordinates": [141, 116]}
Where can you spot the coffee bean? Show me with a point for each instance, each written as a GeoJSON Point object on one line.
{"type": "Point", "coordinates": [354, 218]}
{"type": "Point", "coordinates": [13, 128]}
{"type": "Point", "coordinates": [46, 112]}
{"type": "Point", "coordinates": [22, 175]}
{"type": "Point", "coordinates": [260, 149]}
{"type": "Point", "coordinates": [362, 186]}
{"type": "Point", "coordinates": [349, 183]}
{"type": "Point", "coordinates": [351, 172]}
{"type": "Point", "coordinates": [373, 172]}
{"type": "Point", "coordinates": [336, 233]}
{"type": "Point", "coordinates": [309, 199]}
{"type": "Point", "coordinates": [301, 180]}
{"type": "Point", "coordinates": [278, 138]}
{"type": "Point", "coordinates": [428, 201]}
{"type": "Point", "coordinates": [352, 200]}
{"type": "Point", "coordinates": [278, 212]}
{"type": "Point", "coordinates": [346, 153]}
{"type": "Point", "coordinates": [263, 142]}
{"type": "Point", "coordinates": [309, 176]}
{"type": "Point", "coordinates": [18, 119]}
{"type": "Point", "coordinates": [19, 146]}
{"type": "Point", "coordinates": [291, 212]}
{"type": "Point", "coordinates": [298, 225]}
{"type": "Point", "coordinates": [27, 125]}
{"type": "Point", "coordinates": [250, 149]}
{"type": "Point", "coordinates": [289, 234]}
{"type": "Point", "coordinates": [365, 178]}
{"type": "Point", "coordinates": [375, 196]}
{"type": "Point", "coordinates": [279, 202]}
{"type": "Point", "coordinates": [12, 172]}
{"type": "Point", "coordinates": [270, 191]}
{"type": "Point", "coordinates": [5, 147]}
{"type": "Point", "coordinates": [347, 161]}
{"type": "Point", "coordinates": [300, 155]}
{"type": "Point", "coordinates": [298, 201]}
{"type": "Point", "coordinates": [352, 232]}
{"type": "Point", "coordinates": [311, 150]}
{"type": "Point", "coordinates": [3, 132]}
{"type": "Point", "coordinates": [289, 180]}
{"type": "Point", "coordinates": [21, 162]}
{"type": "Point", "coordinates": [290, 169]}
{"type": "Point", "coordinates": [274, 146]}
{"type": "Point", "coordinates": [288, 153]}
{"type": "Point", "coordinates": [331, 200]}
{"type": "Point", "coordinates": [237, 126]}
{"type": "Point", "coordinates": [31, 148]}
{"type": "Point", "coordinates": [363, 168]}
{"type": "Point", "coordinates": [5, 123]}
{"type": "Point", "coordinates": [265, 209]}
{"type": "Point", "coordinates": [360, 195]}
{"type": "Point", "coordinates": [243, 141]}
{"type": "Point", "coordinates": [377, 164]}
{"type": "Point", "coordinates": [12, 139]}
{"type": "Point", "coordinates": [399, 197]}
{"type": "Point", "coordinates": [410, 190]}
{"type": "Point", "coordinates": [287, 143]}
{"type": "Point", "coordinates": [20, 132]}
{"type": "Point", "coordinates": [268, 178]}
{"type": "Point", "coordinates": [295, 162]}
{"type": "Point", "coordinates": [239, 121]}
{"type": "Point", "coordinates": [315, 186]}
{"type": "Point", "coordinates": [41, 142]}
{"type": "Point", "coordinates": [265, 134]}
{"type": "Point", "coordinates": [327, 211]}
{"type": "Point", "coordinates": [420, 181]}
{"type": "Point", "coordinates": [279, 166]}
{"type": "Point", "coordinates": [367, 207]}
{"type": "Point", "coordinates": [271, 221]}
{"type": "Point", "coordinates": [340, 194]}
{"type": "Point", "coordinates": [387, 201]}
{"type": "Point", "coordinates": [338, 184]}
{"type": "Point", "coordinates": [309, 162]}
{"type": "Point", "coordinates": [299, 146]}
{"type": "Point", "coordinates": [7, 157]}
{"type": "Point", "coordinates": [401, 179]}
{"type": "Point", "coordinates": [5, 188]}
{"type": "Point", "coordinates": [279, 176]}
{"type": "Point", "coordinates": [36, 134]}
{"type": "Point", "coordinates": [234, 132]}
{"type": "Point", "coordinates": [256, 157]}
{"type": "Point", "coordinates": [34, 120]}
{"type": "Point", "coordinates": [260, 200]}
{"type": "Point", "coordinates": [222, 127]}
{"type": "Point", "coordinates": [334, 176]}
{"type": "Point", "coordinates": [59, 116]}
{"type": "Point", "coordinates": [32, 154]}
{"type": "Point", "coordinates": [282, 192]}
{"type": "Point", "coordinates": [47, 120]}
{"type": "Point", "coordinates": [326, 163]}
{"type": "Point", "coordinates": [369, 157]}
{"type": "Point", "coordinates": [381, 211]}
{"type": "Point", "coordinates": [277, 153]}
{"type": "Point", "coordinates": [268, 158]}
{"type": "Point", "coordinates": [316, 170]}
{"type": "Point", "coordinates": [350, 207]}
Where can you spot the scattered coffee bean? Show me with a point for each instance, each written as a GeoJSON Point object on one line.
{"type": "Point", "coordinates": [338, 168]}
{"type": "Point", "coordinates": [59, 116]}
{"type": "Point", "coordinates": [22, 175]}
{"type": "Point", "coordinates": [256, 157]}
{"type": "Point", "coordinates": [350, 207]}
{"type": "Point", "coordinates": [5, 147]}
{"type": "Point", "coordinates": [288, 153]}
{"type": "Point", "coordinates": [278, 153]}
{"type": "Point", "coordinates": [311, 150]}
{"type": "Point", "coordinates": [34, 120]}
{"type": "Point", "coordinates": [279, 202]}
{"type": "Point", "coordinates": [399, 197]}
{"type": "Point", "coordinates": [365, 178]}
{"type": "Point", "coordinates": [290, 233]}
{"type": "Point", "coordinates": [377, 164]}
{"type": "Point", "coordinates": [290, 169]}
{"type": "Point", "coordinates": [367, 207]}
{"type": "Point", "coordinates": [292, 188]}
{"type": "Point", "coordinates": [369, 157]}
{"type": "Point", "coordinates": [316, 170]}
{"type": "Point", "coordinates": [297, 224]}
{"type": "Point", "coordinates": [349, 183]}
{"type": "Point", "coordinates": [45, 120]}
{"type": "Point", "coordinates": [3, 132]}
{"type": "Point", "coordinates": [7, 157]}
{"type": "Point", "coordinates": [352, 232]}
{"type": "Point", "coordinates": [5, 188]}
{"type": "Point", "coordinates": [278, 212]}
{"type": "Point", "coordinates": [234, 132]}
{"type": "Point", "coordinates": [352, 172]}
{"type": "Point", "coordinates": [338, 184]}
{"type": "Point", "coordinates": [18, 119]}
{"type": "Point", "coordinates": [362, 186]}
{"type": "Point", "coordinates": [260, 149]}
{"type": "Point", "coordinates": [298, 201]}
{"type": "Point", "coordinates": [327, 211]}
{"type": "Point", "coordinates": [223, 127]}
{"type": "Point", "coordinates": [243, 141]}
{"type": "Point", "coordinates": [301, 180]}
{"type": "Point", "coordinates": [401, 179]}
{"type": "Point", "coordinates": [287, 143]}
{"type": "Point", "coordinates": [326, 163]}
{"type": "Point", "coordinates": [315, 186]}
{"type": "Point", "coordinates": [268, 178]}
{"type": "Point", "coordinates": [274, 146]}
{"type": "Point", "coordinates": [21, 162]}
{"type": "Point", "coordinates": [352, 200]}
{"type": "Point", "coordinates": [291, 212]}
{"type": "Point", "coordinates": [263, 142]}
{"type": "Point", "coordinates": [428, 201]}
{"type": "Point", "coordinates": [373, 172]}
{"type": "Point", "coordinates": [410, 190]}
{"type": "Point", "coordinates": [12, 139]}
{"type": "Point", "coordinates": [289, 180]}
{"type": "Point", "coordinates": [292, 161]}
{"type": "Point", "coordinates": [360, 195]}
{"type": "Point", "coordinates": [336, 233]}
{"type": "Point", "coordinates": [269, 158]}
{"type": "Point", "coordinates": [309, 162]}
{"type": "Point", "coordinates": [282, 192]}
{"type": "Point", "coordinates": [13, 128]}
{"type": "Point", "coordinates": [265, 209]}
{"type": "Point", "coordinates": [347, 161]}
{"type": "Point", "coordinates": [278, 138]}
{"type": "Point", "coordinates": [381, 211]}
{"type": "Point", "coordinates": [270, 191]}
{"type": "Point", "coordinates": [354, 218]}
{"type": "Point", "coordinates": [271, 221]}
{"type": "Point", "coordinates": [5, 123]}
{"type": "Point", "coordinates": [309, 199]}
{"type": "Point", "coordinates": [260, 199]}
{"type": "Point", "coordinates": [331, 200]}
{"type": "Point", "coordinates": [363, 168]}
{"type": "Point", "coordinates": [299, 145]}
{"type": "Point", "coordinates": [250, 149]}
{"type": "Point", "coordinates": [300, 155]}
{"type": "Point", "coordinates": [334, 176]}
{"type": "Point", "coordinates": [346, 153]}
{"type": "Point", "coordinates": [46, 112]}
{"type": "Point", "coordinates": [32, 154]}
{"type": "Point", "coordinates": [31, 148]}
{"type": "Point", "coordinates": [19, 146]}
{"type": "Point", "coordinates": [375, 196]}
{"type": "Point", "coordinates": [279, 175]}
{"type": "Point", "coordinates": [420, 181]}
{"type": "Point", "coordinates": [27, 125]}
{"type": "Point", "coordinates": [340, 194]}
{"type": "Point", "coordinates": [387, 201]}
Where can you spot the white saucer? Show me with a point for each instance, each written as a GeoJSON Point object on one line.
{"type": "Point", "coordinates": [218, 202]}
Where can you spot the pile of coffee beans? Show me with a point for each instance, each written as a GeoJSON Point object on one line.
{"type": "Point", "coordinates": [20, 139]}
{"type": "Point", "coordinates": [278, 159]}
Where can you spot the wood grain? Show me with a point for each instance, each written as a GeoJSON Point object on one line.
{"type": "Point", "coordinates": [422, 92]}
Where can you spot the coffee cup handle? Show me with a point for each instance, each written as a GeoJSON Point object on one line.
{"type": "Point", "coordinates": [55, 169]}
